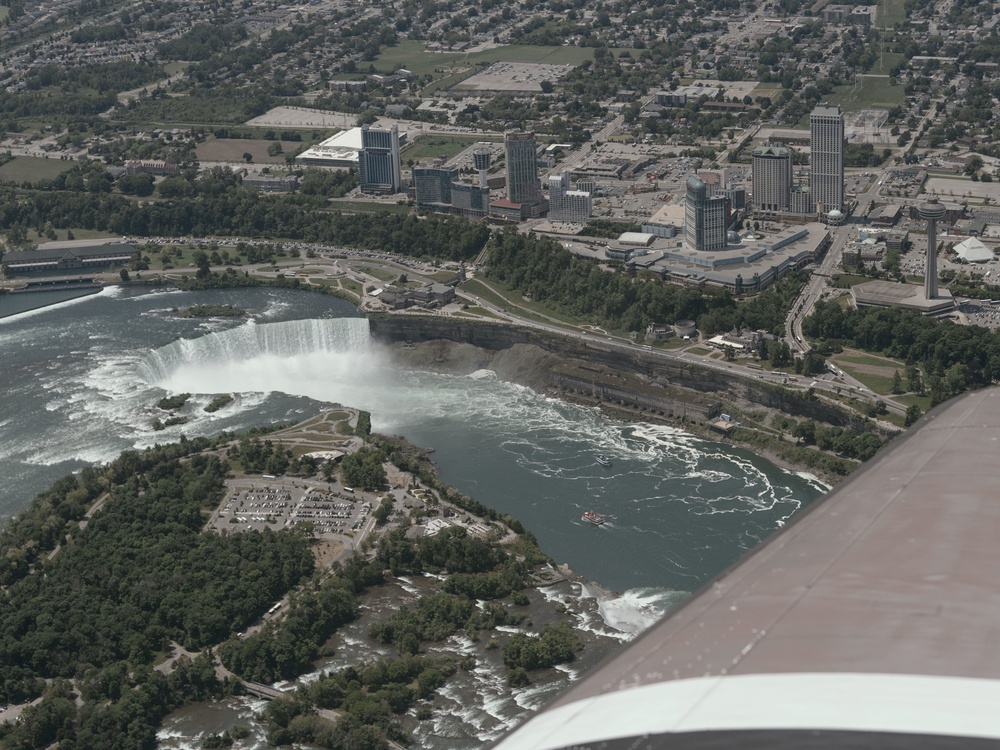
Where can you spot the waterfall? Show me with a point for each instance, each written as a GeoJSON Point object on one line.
{"type": "Point", "coordinates": [252, 340]}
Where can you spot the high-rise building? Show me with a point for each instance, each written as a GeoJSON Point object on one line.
{"type": "Point", "coordinates": [470, 200]}
{"type": "Point", "coordinates": [378, 162]}
{"type": "Point", "coordinates": [826, 158]}
{"type": "Point", "coordinates": [772, 178]}
{"type": "Point", "coordinates": [522, 168]}
{"type": "Point", "coordinates": [432, 185]}
{"type": "Point", "coordinates": [568, 205]}
{"type": "Point", "coordinates": [705, 217]}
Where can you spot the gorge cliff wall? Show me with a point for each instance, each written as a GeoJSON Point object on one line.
{"type": "Point", "coordinates": [531, 358]}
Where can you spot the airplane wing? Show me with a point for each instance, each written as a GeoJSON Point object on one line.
{"type": "Point", "coordinates": [871, 621]}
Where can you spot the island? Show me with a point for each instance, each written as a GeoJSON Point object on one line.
{"type": "Point", "coordinates": [219, 566]}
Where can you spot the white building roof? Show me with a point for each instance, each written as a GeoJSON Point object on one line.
{"type": "Point", "coordinates": [973, 250]}
{"type": "Point", "coordinates": [642, 239]}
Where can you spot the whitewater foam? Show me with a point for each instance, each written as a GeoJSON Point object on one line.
{"type": "Point", "coordinates": [106, 292]}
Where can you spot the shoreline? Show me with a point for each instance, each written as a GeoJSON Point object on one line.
{"type": "Point", "coordinates": [623, 413]}
{"type": "Point", "coordinates": [528, 366]}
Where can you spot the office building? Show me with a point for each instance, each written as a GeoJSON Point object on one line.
{"type": "Point", "coordinates": [378, 162]}
{"type": "Point", "coordinates": [826, 158]}
{"type": "Point", "coordinates": [705, 218]}
{"type": "Point", "coordinates": [522, 168]}
{"type": "Point", "coordinates": [772, 178]}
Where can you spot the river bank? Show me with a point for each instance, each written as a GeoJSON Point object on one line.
{"type": "Point", "coordinates": [530, 366]}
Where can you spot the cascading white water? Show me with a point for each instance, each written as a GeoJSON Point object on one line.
{"type": "Point", "coordinates": [250, 341]}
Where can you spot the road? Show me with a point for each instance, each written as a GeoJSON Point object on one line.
{"type": "Point", "coordinates": [513, 313]}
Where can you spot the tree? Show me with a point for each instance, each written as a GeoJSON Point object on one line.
{"type": "Point", "coordinates": [912, 415]}
{"type": "Point", "coordinates": [247, 157]}
{"type": "Point", "coordinates": [897, 382]}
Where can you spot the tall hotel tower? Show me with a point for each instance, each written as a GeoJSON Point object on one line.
{"type": "Point", "coordinates": [772, 178]}
{"type": "Point", "coordinates": [826, 158]}
{"type": "Point", "coordinates": [522, 168]}
{"type": "Point", "coordinates": [378, 162]}
{"type": "Point", "coordinates": [705, 217]}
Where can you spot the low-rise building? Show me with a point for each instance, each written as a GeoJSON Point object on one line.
{"type": "Point", "coordinates": [72, 255]}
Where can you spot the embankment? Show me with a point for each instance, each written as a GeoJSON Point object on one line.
{"type": "Point", "coordinates": [623, 380]}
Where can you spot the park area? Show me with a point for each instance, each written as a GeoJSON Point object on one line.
{"type": "Point", "coordinates": [433, 146]}
{"type": "Point", "coordinates": [870, 92]}
{"type": "Point", "coordinates": [233, 149]}
{"type": "Point", "coordinates": [32, 169]}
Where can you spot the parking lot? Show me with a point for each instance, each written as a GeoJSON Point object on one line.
{"type": "Point", "coordinates": [262, 503]}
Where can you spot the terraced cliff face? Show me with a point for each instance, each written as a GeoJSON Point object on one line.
{"type": "Point", "coordinates": [528, 357]}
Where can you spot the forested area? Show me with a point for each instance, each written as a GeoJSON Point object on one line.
{"type": "Point", "coordinates": [363, 469]}
{"type": "Point", "coordinates": [202, 41]}
{"type": "Point", "coordinates": [245, 213]}
{"type": "Point", "coordinates": [543, 270]}
{"type": "Point", "coordinates": [954, 358]}
{"type": "Point", "coordinates": [75, 91]}
{"type": "Point", "coordinates": [141, 574]}
{"type": "Point", "coordinates": [367, 699]}
{"type": "Point", "coordinates": [285, 648]}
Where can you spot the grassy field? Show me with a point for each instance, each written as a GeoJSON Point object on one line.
{"type": "Point", "coordinates": [379, 273]}
{"type": "Point", "coordinates": [175, 67]}
{"type": "Point", "coordinates": [506, 299]}
{"type": "Point", "coordinates": [33, 168]}
{"type": "Point", "coordinates": [410, 54]}
{"type": "Point", "coordinates": [845, 280]}
{"type": "Point", "coordinates": [361, 207]}
{"type": "Point", "coordinates": [79, 234]}
{"type": "Point", "coordinates": [766, 89]}
{"type": "Point", "coordinates": [894, 10]}
{"type": "Point", "coordinates": [870, 360]}
{"type": "Point", "coordinates": [472, 311]}
{"type": "Point", "coordinates": [4, 12]}
{"type": "Point", "coordinates": [873, 371]}
{"type": "Point", "coordinates": [873, 92]}
{"type": "Point", "coordinates": [889, 61]}
{"type": "Point", "coordinates": [232, 150]}
{"type": "Point", "coordinates": [433, 146]}
{"type": "Point", "coordinates": [924, 402]}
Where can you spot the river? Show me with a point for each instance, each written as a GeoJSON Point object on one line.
{"type": "Point", "coordinates": [82, 378]}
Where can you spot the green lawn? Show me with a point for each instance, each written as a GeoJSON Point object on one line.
{"type": "Point", "coordinates": [79, 234]}
{"type": "Point", "coordinates": [4, 12]}
{"type": "Point", "coordinates": [507, 300]}
{"type": "Point", "coordinates": [766, 89]}
{"type": "Point", "coordinates": [889, 61]}
{"type": "Point", "coordinates": [33, 168]}
{"type": "Point", "coordinates": [845, 280]}
{"type": "Point", "coordinates": [473, 311]}
{"type": "Point", "coordinates": [448, 68]}
{"type": "Point", "coordinates": [879, 384]}
{"type": "Point", "coordinates": [433, 146]}
{"type": "Point", "coordinates": [895, 12]}
{"type": "Point", "coordinates": [362, 207]}
{"type": "Point", "coordinates": [872, 92]}
{"type": "Point", "coordinates": [870, 360]}
{"type": "Point", "coordinates": [175, 67]}
{"type": "Point", "coordinates": [379, 273]}
{"type": "Point", "coordinates": [858, 365]}
{"type": "Point", "coordinates": [924, 402]}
